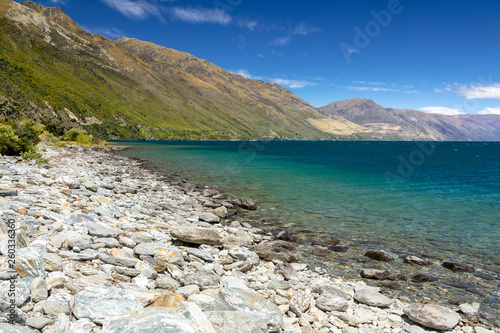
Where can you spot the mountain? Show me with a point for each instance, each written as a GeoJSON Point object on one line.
{"type": "Point", "coordinates": [55, 72]}
{"type": "Point", "coordinates": [397, 124]}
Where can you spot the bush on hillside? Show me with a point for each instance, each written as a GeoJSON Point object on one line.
{"type": "Point", "coordinates": [77, 135]}
{"type": "Point", "coordinates": [20, 137]}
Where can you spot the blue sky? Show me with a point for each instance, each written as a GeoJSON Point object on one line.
{"type": "Point", "coordinates": [435, 56]}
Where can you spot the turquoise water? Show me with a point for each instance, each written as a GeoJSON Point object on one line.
{"type": "Point", "coordinates": [437, 198]}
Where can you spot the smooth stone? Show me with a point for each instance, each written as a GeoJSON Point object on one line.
{"type": "Point", "coordinates": [119, 260]}
{"type": "Point", "coordinates": [29, 262]}
{"type": "Point", "coordinates": [197, 235]}
{"type": "Point", "coordinates": [337, 248]}
{"type": "Point", "coordinates": [187, 291]}
{"type": "Point", "coordinates": [374, 274]}
{"type": "Point", "coordinates": [278, 285]}
{"type": "Point", "coordinates": [86, 255]}
{"type": "Point", "coordinates": [97, 303]}
{"type": "Point", "coordinates": [8, 192]}
{"type": "Point", "coordinates": [131, 272]}
{"type": "Point", "coordinates": [237, 322]}
{"type": "Point", "coordinates": [8, 328]}
{"type": "Point", "coordinates": [433, 316]}
{"type": "Point", "coordinates": [416, 261]}
{"type": "Point", "coordinates": [379, 255]}
{"type": "Point", "coordinates": [53, 262]}
{"type": "Point", "coordinates": [149, 320]}
{"type": "Point", "coordinates": [209, 217]}
{"type": "Point", "coordinates": [58, 303]}
{"type": "Point", "coordinates": [126, 241]}
{"type": "Point", "coordinates": [171, 300]}
{"type": "Point", "coordinates": [205, 256]}
{"type": "Point", "coordinates": [99, 230]}
{"type": "Point", "coordinates": [145, 249]}
{"type": "Point", "coordinates": [39, 291]}
{"type": "Point", "coordinates": [109, 242]}
{"type": "Point", "coordinates": [372, 297]}
{"type": "Point", "coordinates": [171, 256]}
{"type": "Point", "coordinates": [280, 250]}
{"type": "Point", "coordinates": [456, 267]}
{"type": "Point", "coordinates": [146, 270]}
{"type": "Point", "coordinates": [75, 239]}
{"type": "Point", "coordinates": [328, 302]}
{"type": "Point", "coordinates": [142, 237]}
{"type": "Point", "coordinates": [221, 212]}
{"type": "Point", "coordinates": [62, 325]}
{"type": "Point", "coordinates": [38, 322]}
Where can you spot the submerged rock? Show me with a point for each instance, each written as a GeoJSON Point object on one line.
{"type": "Point", "coordinates": [456, 267]}
{"type": "Point", "coordinates": [375, 274]}
{"type": "Point", "coordinates": [379, 255]}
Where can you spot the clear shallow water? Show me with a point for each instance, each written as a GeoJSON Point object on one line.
{"type": "Point", "coordinates": [438, 198]}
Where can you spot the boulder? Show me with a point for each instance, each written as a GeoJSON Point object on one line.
{"type": "Point", "coordinates": [39, 290]}
{"type": "Point", "coordinates": [329, 302]}
{"type": "Point", "coordinates": [209, 217]}
{"type": "Point", "coordinates": [58, 303]}
{"type": "Point", "coordinates": [432, 316]}
{"type": "Point", "coordinates": [197, 235]}
{"type": "Point", "coordinates": [97, 303]}
{"type": "Point", "coordinates": [279, 250]}
{"type": "Point", "coordinates": [149, 320]}
{"type": "Point", "coordinates": [245, 203]}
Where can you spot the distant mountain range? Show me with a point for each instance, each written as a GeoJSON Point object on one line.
{"type": "Point", "coordinates": [53, 71]}
{"type": "Point", "coordinates": [387, 123]}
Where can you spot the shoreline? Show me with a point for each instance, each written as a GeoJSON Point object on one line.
{"type": "Point", "coordinates": [97, 225]}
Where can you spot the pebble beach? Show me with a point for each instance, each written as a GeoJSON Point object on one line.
{"type": "Point", "coordinates": [98, 242]}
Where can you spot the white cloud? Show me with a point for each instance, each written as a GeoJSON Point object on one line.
{"type": "Point", "coordinates": [248, 24]}
{"type": "Point", "coordinates": [442, 110]}
{"type": "Point", "coordinates": [301, 29]}
{"type": "Point", "coordinates": [479, 91]}
{"type": "Point", "coordinates": [139, 10]}
{"type": "Point", "coordinates": [260, 55]}
{"type": "Point", "coordinates": [197, 15]}
{"type": "Point", "coordinates": [365, 88]}
{"type": "Point", "coordinates": [490, 111]}
{"type": "Point", "coordinates": [294, 84]}
{"type": "Point", "coordinates": [282, 41]}
{"type": "Point", "coordinates": [108, 32]}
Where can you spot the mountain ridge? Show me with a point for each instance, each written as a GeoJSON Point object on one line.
{"type": "Point", "coordinates": [416, 125]}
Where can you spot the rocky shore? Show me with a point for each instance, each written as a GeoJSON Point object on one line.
{"type": "Point", "coordinates": [105, 245]}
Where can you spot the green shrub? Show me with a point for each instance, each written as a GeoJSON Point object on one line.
{"type": "Point", "coordinates": [48, 138]}
{"type": "Point", "coordinates": [20, 137]}
{"type": "Point", "coordinates": [72, 134]}
{"type": "Point", "coordinates": [34, 155]}
{"type": "Point", "coordinates": [83, 139]}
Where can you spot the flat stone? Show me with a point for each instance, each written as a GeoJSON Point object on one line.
{"type": "Point", "coordinates": [166, 282]}
{"type": "Point", "coordinates": [38, 322]}
{"type": "Point", "coordinates": [8, 328]}
{"type": "Point", "coordinates": [145, 249]}
{"type": "Point", "coordinates": [171, 256]}
{"type": "Point", "coordinates": [86, 255]}
{"type": "Point", "coordinates": [240, 322]}
{"type": "Point", "coordinates": [99, 230]}
{"type": "Point", "coordinates": [374, 274]}
{"type": "Point", "coordinates": [209, 217]}
{"type": "Point", "coordinates": [119, 261]}
{"type": "Point", "coordinates": [150, 320]}
{"type": "Point", "coordinates": [97, 303]}
{"type": "Point", "coordinates": [8, 192]}
{"type": "Point", "coordinates": [82, 326]}
{"type": "Point", "coordinates": [172, 300]}
{"type": "Point", "coordinates": [205, 256]}
{"type": "Point", "coordinates": [62, 325]}
{"type": "Point", "coordinates": [245, 203]}
{"type": "Point", "coordinates": [432, 316]}
{"type": "Point", "coordinates": [280, 250]}
{"type": "Point", "coordinates": [187, 291]}
{"type": "Point", "coordinates": [372, 297]}
{"type": "Point", "coordinates": [195, 315]}
{"type": "Point", "coordinates": [142, 237]}
{"type": "Point", "coordinates": [416, 261]}
{"type": "Point", "coordinates": [197, 235]}
{"type": "Point", "coordinates": [201, 279]}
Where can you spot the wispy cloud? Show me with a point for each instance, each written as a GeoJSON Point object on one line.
{"type": "Point", "coordinates": [301, 29]}
{"type": "Point", "coordinates": [248, 24]}
{"type": "Point", "coordinates": [442, 110]}
{"type": "Point", "coordinates": [108, 32]}
{"type": "Point", "coordinates": [480, 91]}
{"type": "Point", "coordinates": [368, 88]}
{"type": "Point", "coordinates": [375, 86]}
{"type": "Point", "coordinates": [293, 84]}
{"type": "Point", "coordinates": [137, 10]}
{"type": "Point", "coordinates": [490, 111]}
{"type": "Point", "coordinates": [202, 15]}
